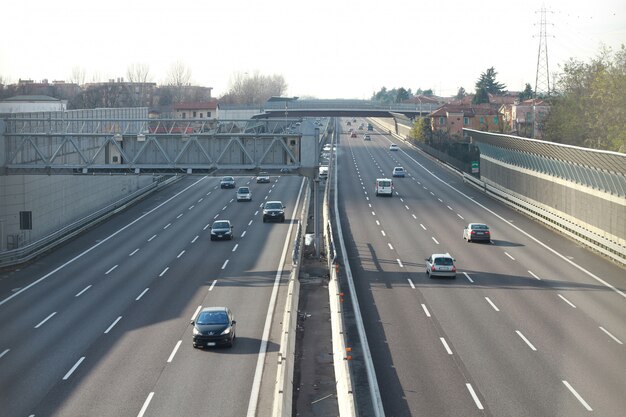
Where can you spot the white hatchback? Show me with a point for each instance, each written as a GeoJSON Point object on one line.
{"type": "Point", "coordinates": [440, 264]}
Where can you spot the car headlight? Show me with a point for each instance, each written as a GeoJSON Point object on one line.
{"type": "Point", "coordinates": [226, 331]}
{"type": "Point", "coordinates": [196, 332]}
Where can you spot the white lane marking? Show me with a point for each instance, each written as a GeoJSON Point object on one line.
{"type": "Point", "coordinates": [145, 405]}
{"type": "Point", "coordinates": [578, 397]}
{"type": "Point", "coordinates": [98, 244]}
{"type": "Point", "coordinates": [133, 252]}
{"type": "Point", "coordinates": [373, 214]}
{"type": "Point", "coordinates": [536, 277]}
{"type": "Point", "coordinates": [141, 295]}
{"type": "Point", "coordinates": [153, 236]}
{"type": "Point", "coordinates": [45, 320]}
{"type": "Point", "coordinates": [71, 371]}
{"type": "Point", "coordinates": [492, 304]}
{"type": "Point", "coordinates": [164, 271]}
{"type": "Point", "coordinates": [212, 285]}
{"type": "Point", "coordinates": [169, 360]}
{"type": "Point", "coordinates": [445, 345]}
{"type": "Point", "coordinates": [435, 240]}
{"type": "Point", "coordinates": [474, 396]}
{"type": "Point", "coordinates": [440, 200]}
{"type": "Point", "coordinates": [450, 208]}
{"type": "Point", "coordinates": [84, 289]}
{"type": "Point", "coordinates": [422, 226]}
{"type": "Point", "coordinates": [200, 200]}
{"type": "Point", "coordinates": [244, 233]}
{"type": "Point", "coordinates": [610, 335]}
{"type": "Point", "coordinates": [194, 239]}
{"type": "Point", "coordinates": [425, 310]}
{"type": "Point", "coordinates": [377, 223]}
{"type": "Point", "coordinates": [383, 232]}
{"type": "Point", "coordinates": [236, 246]}
{"type": "Point", "coordinates": [179, 216]}
{"type": "Point", "coordinates": [250, 222]}
{"type": "Point", "coordinates": [468, 277]}
{"type": "Point", "coordinates": [225, 263]}
{"type": "Point", "coordinates": [411, 283]}
{"type": "Point", "coordinates": [370, 205]}
{"type": "Point", "coordinates": [414, 216]}
{"type": "Point", "coordinates": [400, 263]}
{"type": "Point", "coordinates": [402, 200]}
{"type": "Point", "coordinates": [507, 254]}
{"type": "Point", "coordinates": [180, 254]}
{"type": "Point", "coordinates": [209, 193]}
{"type": "Point", "coordinates": [407, 207]}
{"type": "Point", "coordinates": [266, 197]}
{"type": "Point", "coordinates": [110, 270]}
{"type": "Point", "coordinates": [5, 352]}
{"type": "Point", "coordinates": [167, 225]}
{"type": "Point", "coordinates": [431, 192]}
{"type": "Point", "coordinates": [231, 200]}
{"type": "Point", "coordinates": [390, 246]}
{"type": "Point", "coordinates": [525, 340]}
{"type": "Point", "coordinates": [256, 212]}
{"type": "Point", "coordinates": [567, 301]}
{"type": "Point", "coordinates": [367, 198]}
{"type": "Point", "coordinates": [224, 208]}
{"type": "Point", "coordinates": [216, 216]}
{"type": "Point", "coordinates": [196, 312]}
{"type": "Point", "coordinates": [460, 216]}
{"type": "Point", "coordinates": [206, 226]}
{"type": "Point", "coordinates": [113, 324]}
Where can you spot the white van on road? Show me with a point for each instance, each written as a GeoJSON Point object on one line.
{"type": "Point", "coordinates": [384, 186]}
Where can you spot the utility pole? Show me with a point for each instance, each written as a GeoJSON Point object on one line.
{"type": "Point", "coordinates": [542, 77]}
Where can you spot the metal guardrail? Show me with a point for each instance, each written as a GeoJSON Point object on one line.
{"type": "Point", "coordinates": [32, 250]}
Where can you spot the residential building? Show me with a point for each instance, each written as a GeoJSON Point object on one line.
{"type": "Point", "coordinates": [452, 118]}
{"type": "Point", "coordinates": [525, 118]}
{"type": "Point", "coordinates": [195, 110]}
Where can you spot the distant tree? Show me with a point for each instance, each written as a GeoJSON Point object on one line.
{"type": "Point", "coordinates": [487, 81]}
{"type": "Point", "coordinates": [254, 89]}
{"type": "Point", "coordinates": [460, 94]}
{"type": "Point", "coordinates": [428, 92]}
{"type": "Point", "coordinates": [140, 74]}
{"type": "Point", "coordinates": [421, 130]}
{"type": "Point", "coordinates": [78, 76]}
{"type": "Point", "coordinates": [178, 77]}
{"type": "Point", "coordinates": [527, 93]}
{"type": "Point", "coordinates": [481, 96]}
{"type": "Point", "coordinates": [402, 95]}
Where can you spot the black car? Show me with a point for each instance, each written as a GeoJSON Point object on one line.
{"type": "Point", "coordinates": [214, 326]}
{"type": "Point", "coordinates": [227, 182]}
{"type": "Point", "coordinates": [274, 211]}
{"type": "Point", "coordinates": [221, 230]}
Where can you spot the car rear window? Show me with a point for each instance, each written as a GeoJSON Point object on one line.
{"type": "Point", "coordinates": [479, 227]}
{"type": "Point", "coordinates": [384, 183]}
{"type": "Point", "coordinates": [244, 190]}
{"type": "Point", "coordinates": [443, 261]}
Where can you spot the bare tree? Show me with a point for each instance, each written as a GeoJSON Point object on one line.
{"type": "Point", "coordinates": [139, 75]}
{"type": "Point", "coordinates": [254, 89]}
{"type": "Point", "coordinates": [78, 76]}
{"type": "Point", "coordinates": [178, 77]}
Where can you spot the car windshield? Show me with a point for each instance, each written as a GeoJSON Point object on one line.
{"type": "Point", "coordinates": [273, 206]}
{"type": "Point", "coordinates": [220, 225]}
{"type": "Point", "coordinates": [443, 261]}
{"type": "Point", "coordinates": [212, 317]}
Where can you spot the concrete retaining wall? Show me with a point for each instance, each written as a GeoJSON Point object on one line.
{"type": "Point", "coordinates": [56, 201]}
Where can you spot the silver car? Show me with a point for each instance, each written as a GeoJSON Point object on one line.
{"type": "Point", "coordinates": [441, 265]}
{"type": "Point", "coordinates": [244, 194]}
{"type": "Point", "coordinates": [474, 232]}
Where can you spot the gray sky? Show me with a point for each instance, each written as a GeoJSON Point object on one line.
{"type": "Point", "coordinates": [323, 48]}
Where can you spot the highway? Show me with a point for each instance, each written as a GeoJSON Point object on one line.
{"type": "Point", "coordinates": [101, 326]}
{"type": "Point", "coordinates": [533, 324]}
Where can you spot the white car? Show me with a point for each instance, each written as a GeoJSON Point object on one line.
{"type": "Point", "coordinates": [393, 147]}
{"type": "Point", "coordinates": [244, 194]}
{"type": "Point", "coordinates": [441, 265]}
{"type": "Point", "coordinates": [399, 172]}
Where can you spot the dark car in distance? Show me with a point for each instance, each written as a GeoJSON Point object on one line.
{"type": "Point", "coordinates": [227, 182]}
{"type": "Point", "coordinates": [214, 326]}
{"type": "Point", "coordinates": [274, 211]}
{"type": "Point", "coordinates": [475, 232]}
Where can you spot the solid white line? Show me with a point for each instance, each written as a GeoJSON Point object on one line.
{"type": "Point", "coordinates": [445, 345]}
{"type": "Point", "coordinates": [169, 360]}
{"type": "Point", "coordinates": [225, 263]}
{"type": "Point", "coordinates": [236, 246]}
{"type": "Point", "coordinates": [411, 283]}
{"type": "Point", "coordinates": [196, 313]}
{"type": "Point", "coordinates": [164, 271]}
{"type": "Point", "coordinates": [71, 371]}
{"type": "Point", "coordinates": [145, 405]}
{"type": "Point", "coordinates": [507, 254]}
{"type": "Point", "coordinates": [212, 285]}
{"type": "Point", "coordinates": [390, 247]}
{"type": "Point", "coordinates": [84, 289]}
{"type": "Point", "coordinates": [110, 270]}
{"type": "Point", "coordinates": [250, 222]}
{"type": "Point", "coordinates": [422, 226]}
{"type": "Point", "coordinates": [578, 397]}
{"type": "Point", "coordinates": [179, 216]}
{"type": "Point", "coordinates": [45, 320]}
{"type": "Point", "coordinates": [400, 263]}
{"type": "Point", "coordinates": [460, 216]}
{"type": "Point", "coordinates": [206, 226]}
{"type": "Point", "coordinates": [435, 240]}
{"type": "Point", "coordinates": [194, 239]}
{"type": "Point", "coordinates": [566, 300]}
{"type": "Point", "coordinates": [610, 335]}
{"type": "Point", "coordinates": [113, 324]}
{"type": "Point", "coordinates": [167, 225]}
{"type": "Point", "coordinates": [525, 340]}
{"type": "Point", "coordinates": [425, 310]}
{"type": "Point", "coordinates": [383, 232]}
{"type": "Point", "coordinates": [258, 373]}
{"type": "Point", "coordinates": [153, 236]}
{"type": "Point", "coordinates": [531, 273]}
{"type": "Point", "coordinates": [492, 304]}
{"type": "Point", "coordinates": [5, 352]}
{"type": "Point", "coordinates": [180, 254]}
{"type": "Point", "coordinates": [244, 233]}
{"type": "Point", "coordinates": [475, 397]}
{"type": "Point", "coordinates": [468, 277]}
{"type": "Point", "coordinates": [141, 295]}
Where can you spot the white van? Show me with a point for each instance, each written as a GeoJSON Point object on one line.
{"type": "Point", "coordinates": [384, 186]}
